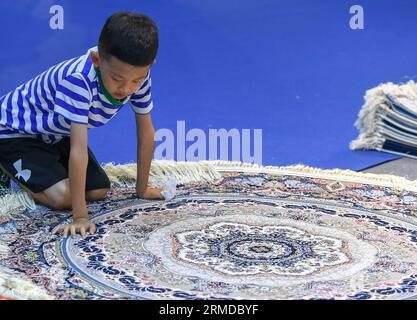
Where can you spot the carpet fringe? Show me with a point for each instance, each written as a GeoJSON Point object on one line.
{"type": "Point", "coordinates": [210, 170]}
{"type": "Point", "coordinates": [161, 171]}
{"type": "Point", "coordinates": [20, 289]}
{"type": "Point", "coordinates": [387, 180]}
{"type": "Point", "coordinates": [124, 175]}
{"type": "Point", "coordinates": [16, 201]}
{"type": "Point", "coordinates": [13, 285]}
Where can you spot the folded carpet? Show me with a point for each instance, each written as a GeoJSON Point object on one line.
{"type": "Point", "coordinates": [388, 120]}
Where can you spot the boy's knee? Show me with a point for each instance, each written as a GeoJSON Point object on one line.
{"type": "Point", "coordinates": [58, 197]}
{"type": "Point", "coordinates": [97, 194]}
{"type": "Point", "coordinates": [59, 204]}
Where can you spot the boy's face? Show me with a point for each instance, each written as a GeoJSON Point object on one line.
{"type": "Point", "coordinates": [119, 78]}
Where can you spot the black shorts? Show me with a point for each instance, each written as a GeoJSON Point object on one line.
{"type": "Point", "coordinates": [38, 165]}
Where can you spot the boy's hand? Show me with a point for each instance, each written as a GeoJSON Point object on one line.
{"type": "Point", "coordinates": [151, 193]}
{"type": "Point", "coordinates": [79, 225]}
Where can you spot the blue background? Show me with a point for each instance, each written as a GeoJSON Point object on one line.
{"type": "Point", "coordinates": [294, 68]}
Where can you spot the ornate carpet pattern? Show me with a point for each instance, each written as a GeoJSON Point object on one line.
{"type": "Point", "coordinates": [248, 235]}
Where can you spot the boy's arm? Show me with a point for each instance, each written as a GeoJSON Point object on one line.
{"type": "Point", "coordinates": [145, 133]}
{"type": "Point", "coordinates": [77, 171]}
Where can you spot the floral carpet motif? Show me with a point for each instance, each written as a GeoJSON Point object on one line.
{"type": "Point", "coordinates": [246, 236]}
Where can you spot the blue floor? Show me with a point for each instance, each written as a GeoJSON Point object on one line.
{"type": "Point", "coordinates": [294, 68]}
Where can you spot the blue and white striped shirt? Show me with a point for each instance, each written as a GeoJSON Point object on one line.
{"type": "Point", "coordinates": [71, 91]}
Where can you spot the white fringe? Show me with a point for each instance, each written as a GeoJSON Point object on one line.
{"type": "Point", "coordinates": [386, 180]}
{"type": "Point", "coordinates": [375, 106]}
{"type": "Point", "coordinates": [14, 201]}
{"type": "Point", "coordinates": [13, 287]}
{"type": "Point", "coordinates": [213, 171]}
{"type": "Point", "coordinates": [161, 171]}
{"type": "Point", "coordinates": [124, 175]}
{"type": "Point", "coordinates": [17, 286]}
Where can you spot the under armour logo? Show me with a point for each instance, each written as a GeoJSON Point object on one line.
{"type": "Point", "coordinates": [25, 174]}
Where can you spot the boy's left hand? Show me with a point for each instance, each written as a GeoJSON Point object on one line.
{"type": "Point", "coordinates": [152, 193]}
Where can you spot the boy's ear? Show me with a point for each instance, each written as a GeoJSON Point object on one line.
{"type": "Point", "coordinates": [154, 61]}
{"type": "Point", "coordinates": [95, 58]}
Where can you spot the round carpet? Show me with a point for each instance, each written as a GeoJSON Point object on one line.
{"type": "Point", "coordinates": [253, 234]}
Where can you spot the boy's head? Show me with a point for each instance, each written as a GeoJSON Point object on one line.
{"type": "Point", "coordinates": [127, 47]}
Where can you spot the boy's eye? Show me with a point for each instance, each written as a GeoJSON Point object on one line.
{"type": "Point", "coordinates": [116, 79]}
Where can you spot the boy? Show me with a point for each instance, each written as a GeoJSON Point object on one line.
{"type": "Point", "coordinates": [44, 122]}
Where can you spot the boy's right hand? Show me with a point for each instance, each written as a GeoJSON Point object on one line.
{"type": "Point", "coordinates": [79, 225]}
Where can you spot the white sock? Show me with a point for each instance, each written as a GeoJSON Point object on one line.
{"type": "Point", "coordinates": [170, 189]}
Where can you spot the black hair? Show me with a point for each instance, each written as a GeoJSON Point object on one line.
{"type": "Point", "coordinates": [130, 37]}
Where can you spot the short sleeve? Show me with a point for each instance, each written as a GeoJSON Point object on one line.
{"type": "Point", "coordinates": [73, 98]}
{"type": "Point", "coordinates": [141, 100]}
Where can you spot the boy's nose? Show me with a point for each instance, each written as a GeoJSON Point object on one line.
{"type": "Point", "coordinates": [122, 91]}
{"type": "Point", "coordinates": [126, 90]}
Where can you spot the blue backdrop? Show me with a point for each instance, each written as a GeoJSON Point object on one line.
{"type": "Point", "coordinates": [294, 69]}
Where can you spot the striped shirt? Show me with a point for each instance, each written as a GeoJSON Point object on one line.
{"type": "Point", "coordinates": [72, 91]}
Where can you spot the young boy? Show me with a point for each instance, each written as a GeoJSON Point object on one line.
{"type": "Point", "coordinates": [44, 122]}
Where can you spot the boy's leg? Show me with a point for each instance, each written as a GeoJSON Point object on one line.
{"type": "Point", "coordinates": [41, 170]}
{"type": "Point", "coordinates": [54, 197]}
{"type": "Point", "coordinates": [97, 183]}
{"type": "Point", "coordinates": [58, 196]}
{"type": "Point", "coordinates": [34, 166]}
